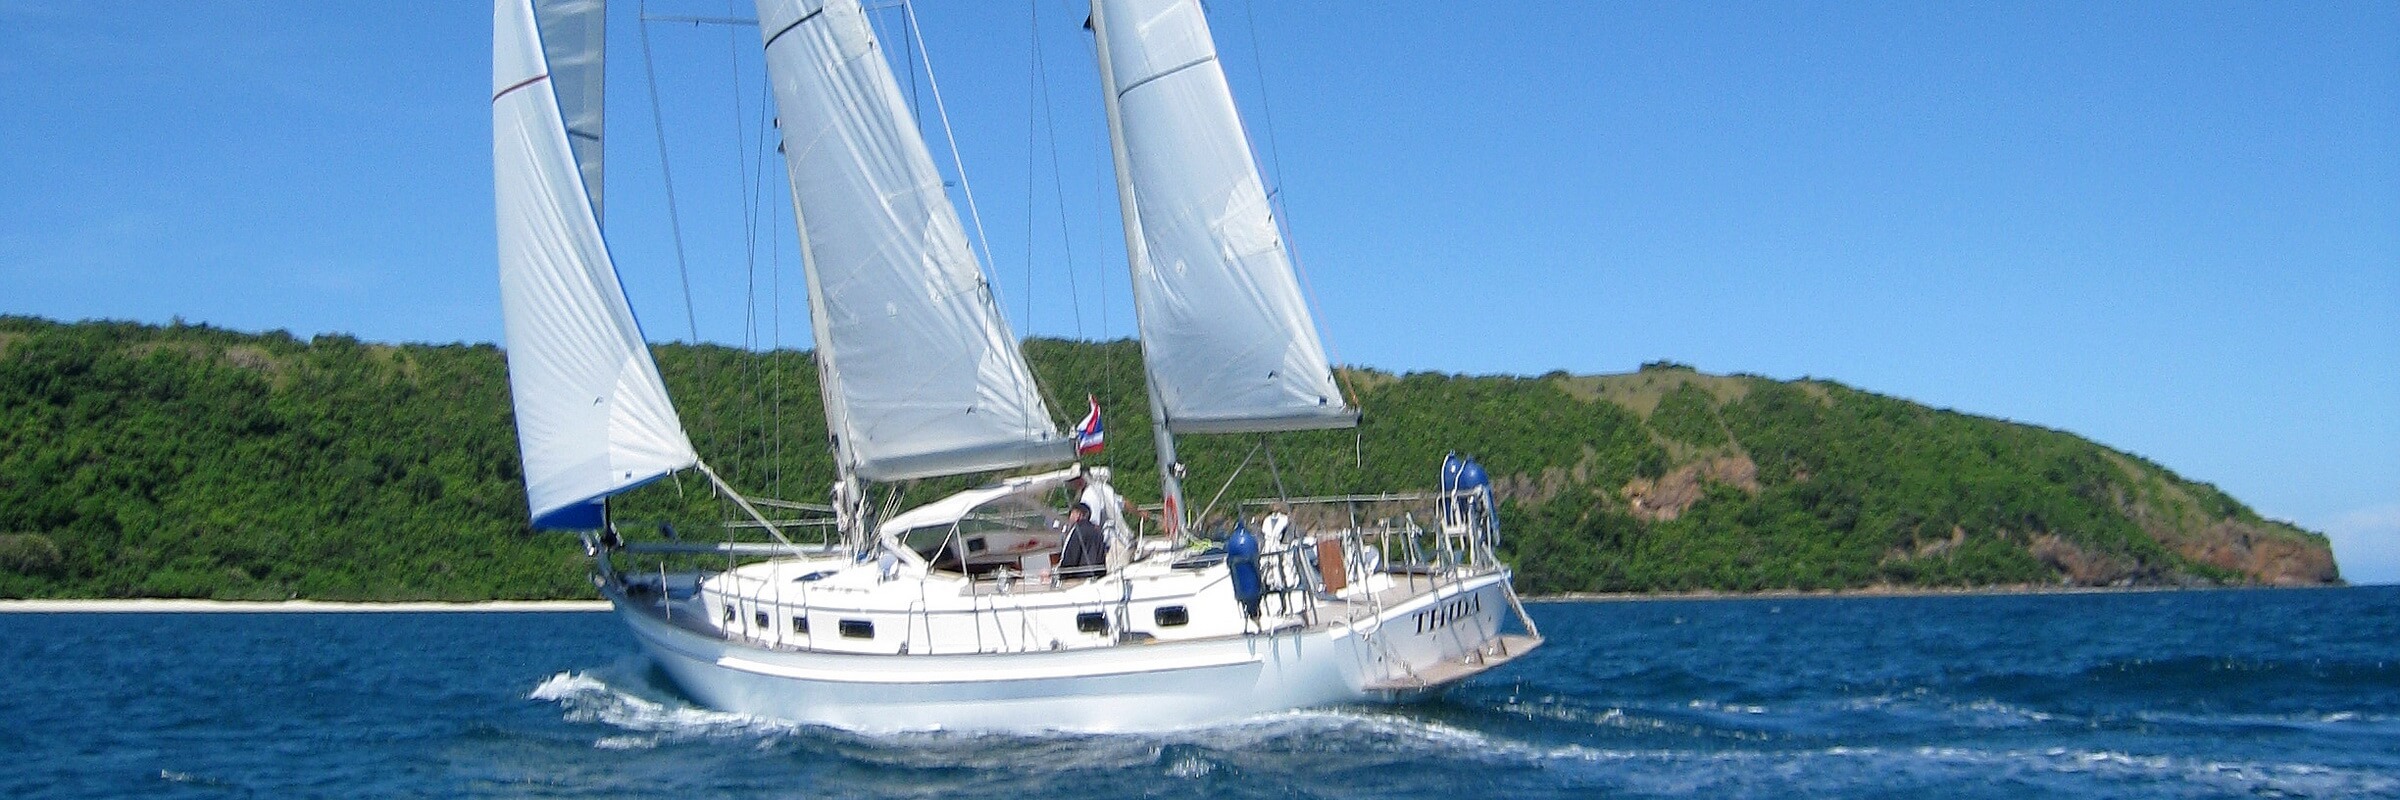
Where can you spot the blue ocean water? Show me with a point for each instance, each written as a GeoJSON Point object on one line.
{"type": "Point", "coordinates": [2291, 693]}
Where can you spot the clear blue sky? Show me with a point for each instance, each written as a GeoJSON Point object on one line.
{"type": "Point", "coordinates": [2171, 227]}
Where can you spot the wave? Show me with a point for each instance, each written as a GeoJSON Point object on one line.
{"type": "Point", "coordinates": [2201, 676]}
{"type": "Point", "coordinates": [622, 697]}
{"type": "Point", "coordinates": [1800, 719]}
{"type": "Point", "coordinates": [176, 776]}
{"type": "Point", "coordinates": [1703, 746]}
{"type": "Point", "coordinates": [2243, 776]}
{"type": "Point", "coordinates": [642, 708]}
{"type": "Point", "coordinates": [1959, 771]}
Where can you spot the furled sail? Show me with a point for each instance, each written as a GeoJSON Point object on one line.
{"type": "Point", "coordinates": [593, 418]}
{"type": "Point", "coordinates": [920, 373]}
{"type": "Point", "coordinates": [574, 38]}
{"type": "Point", "coordinates": [1227, 338]}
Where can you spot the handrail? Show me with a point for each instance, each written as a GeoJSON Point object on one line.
{"type": "Point", "coordinates": [724, 548]}
{"type": "Point", "coordinates": [1388, 497]}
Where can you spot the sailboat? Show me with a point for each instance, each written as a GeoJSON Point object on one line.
{"type": "Point", "coordinates": [956, 614]}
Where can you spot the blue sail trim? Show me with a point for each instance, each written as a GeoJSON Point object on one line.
{"type": "Point", "coordinates": [584, 516]}
{"type": "Point", "coordinates": [589, 513]}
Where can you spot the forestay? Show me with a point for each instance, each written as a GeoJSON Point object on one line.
{"type": "Point", "coordinates": [920, 373]}
{"type": "Point", "coordinates": [1226, 335]}
{"type": "Point", "coordinates": [592, 417]}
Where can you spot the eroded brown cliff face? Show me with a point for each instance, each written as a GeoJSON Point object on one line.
{"type": "Point", "coordinates": [1668, 496]}
{"type": "Point", "coordinates": [2262, 552]}
{"type": "Point", "coordinates": [2270, 553]}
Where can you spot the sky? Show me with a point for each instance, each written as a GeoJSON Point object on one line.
{"type": "Point", "coordinates": [2171, 228]}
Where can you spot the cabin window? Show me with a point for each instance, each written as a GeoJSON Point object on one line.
{"type": "Point", "coordinates": [800, 625]}
{"type": "Point", "coordinates": [730, 614]}
{"type": "Point", "coordinates": [976, 545]}
{"type": "Point", "coordinates": [858, 629]}
{"type": "Point", "coordinates": [763, 622]}
{"type": "Point", "coordinates": [1091, 622]}
{"type": "Point", "coordinates": [1171, 616]}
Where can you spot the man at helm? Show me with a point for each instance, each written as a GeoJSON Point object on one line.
{"type": "Point", "coordinates": [1092, 489]}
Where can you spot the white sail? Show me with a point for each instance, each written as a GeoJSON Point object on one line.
{"type": "Point", "coordinates": [1226, 335]}
{"type": "Point", "coordinates": [574, 38]}
{"type": "Point", "coordinates": [921, 375]}
{"type": "Point", "coordinates": [593, 418]}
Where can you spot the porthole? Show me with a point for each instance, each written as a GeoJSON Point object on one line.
{"type": "Point", "coordinates": [1171, 616]}
{"type": "Point", "coordinates": [1091, 622]}
{"type": "Point", "coordinates": [858, 629]}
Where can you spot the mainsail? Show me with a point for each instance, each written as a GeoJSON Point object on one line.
{"type": "Point", "coordinates": [920, 373]}
{"type": "Point", "coordinates": [1226, 335]}
{"type": "Point", "coordinates": [593, 418]}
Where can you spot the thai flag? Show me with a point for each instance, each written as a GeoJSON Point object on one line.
{"type": "Point", "coordinates": [1087, 432]}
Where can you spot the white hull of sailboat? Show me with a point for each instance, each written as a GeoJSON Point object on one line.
{"type": "Point", "coordinates": [1411, 650]}
{"type": "Point", "coordinates": [920, 383]}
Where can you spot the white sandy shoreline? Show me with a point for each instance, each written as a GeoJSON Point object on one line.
{"type": "Point", "coordinates": [287, 606]}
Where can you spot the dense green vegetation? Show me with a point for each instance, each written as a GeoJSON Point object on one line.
{"type": "Point", "coordinates": [182, 461]}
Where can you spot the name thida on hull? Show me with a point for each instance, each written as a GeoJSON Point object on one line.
{"type": "Point", "coordinates": [1441, 615]}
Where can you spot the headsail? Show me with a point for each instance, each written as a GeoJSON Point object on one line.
{"type": "Point", "coordinates": [593, 419]}
{"type": "Point", "coordinates": [920, 372]}
{"type": "Point", "coordinates": [1226, 335]}
{"type": "Point", "coordinates": [574, 38]}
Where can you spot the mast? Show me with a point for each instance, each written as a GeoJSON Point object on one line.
{"type": "Point", "coordinates": [1170, 481]}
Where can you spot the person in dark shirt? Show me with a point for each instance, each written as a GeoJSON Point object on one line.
{"type": "Point", "coordinates": [1085, 550]}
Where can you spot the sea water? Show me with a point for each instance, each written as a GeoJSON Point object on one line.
{"type": "Point", "coordinates": [2274, 693]}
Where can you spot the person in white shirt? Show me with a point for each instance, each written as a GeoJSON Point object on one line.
{"type": "Point", "coordinates": [1092, 488]}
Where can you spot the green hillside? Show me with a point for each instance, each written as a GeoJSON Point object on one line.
{"type": "Point", "coordinates": [181, 461]}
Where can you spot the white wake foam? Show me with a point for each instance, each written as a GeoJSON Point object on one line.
{"type": "Point", "coordinates": [589, 697]}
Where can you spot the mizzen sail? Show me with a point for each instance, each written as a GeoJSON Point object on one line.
{"type": "Point", "coordinates": [1226, 334]}
{"type": "Point", "coordinates": [593, 419]}
{"type": "Point", "coordinates": [920, 372]}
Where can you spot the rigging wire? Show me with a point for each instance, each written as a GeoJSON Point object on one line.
{"type": "Point", "coordinates": [658, 125]}
{"type": "Point", "coordinates": [1033, 46]}
{"type": "Point", "coordinates": [775, 313]}
{"type": "Point", "coordinates": [958, 165]}
{"type": "Point", "coordinates": [1283, 224]}
{"type": "Point", "coordinates": [666, 170]}
{"type": "Point", "coordinates": [765, 373]}
{"type": "Point", "coordinates": [1104, 189]}
{"type": "Point", "coordinates": [1066, 239]}
{"type": "Point", "coordinates": [747, 196]}
{"type": "Point", "coordinates": [1266, 113]}
{"type": "Point", "coordinates": [967, 188]}
{"type": "Point", "coordinates": [1039, 79]}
